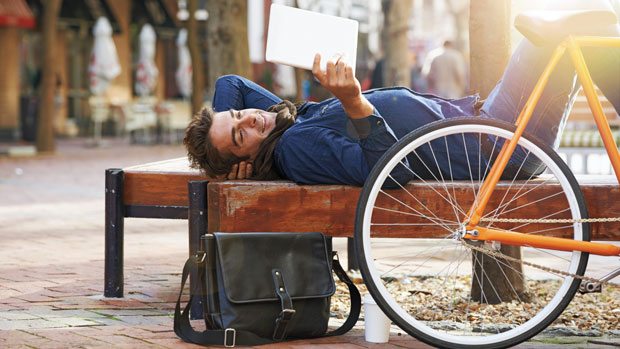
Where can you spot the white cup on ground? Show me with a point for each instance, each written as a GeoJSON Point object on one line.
{"type": "Point", "coordinates": [376, 324]}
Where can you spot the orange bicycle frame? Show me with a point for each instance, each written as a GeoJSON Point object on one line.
{"type": "Point", "coordinates": [573, 45]}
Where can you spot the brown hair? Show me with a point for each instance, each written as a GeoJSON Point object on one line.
{"type": "Point", "coordinates": [203, 155]}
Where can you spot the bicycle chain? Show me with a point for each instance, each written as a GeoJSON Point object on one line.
{"type": "Point", "coordinates": [559, 220]}
{"type": "Point", "coordinates": [541, 267]}
{"type": "Point", "coordinates": [558, 272]}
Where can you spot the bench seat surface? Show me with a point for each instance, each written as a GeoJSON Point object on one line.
{"type": "Point", "coordinates": [286, 206]}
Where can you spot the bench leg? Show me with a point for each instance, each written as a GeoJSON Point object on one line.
{"type": "Point", "coordinates": [114, 219]}
{"type": "Point", "coordinates": [351, 259]}
{"type": "Point", "coordinates": [197, 221]}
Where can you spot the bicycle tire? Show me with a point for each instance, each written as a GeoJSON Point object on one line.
{"type": "Point", "coordinates": [447, 295]}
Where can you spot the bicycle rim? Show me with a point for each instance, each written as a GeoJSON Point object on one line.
{"type": "Point", "coordinates": [427, 284]}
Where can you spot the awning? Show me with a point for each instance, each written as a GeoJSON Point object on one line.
{"type": "Point", "coordinates": [74, 13]}
{"type": "Point", "coordinates": [16, 13]}
{"type": "Point", "coordinates": [157, 14]}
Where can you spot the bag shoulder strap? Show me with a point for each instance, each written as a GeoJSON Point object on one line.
{"type": "Point", "coordinates": [183, 328]}
{"type": "Point", "coordinates": [231, 337]}
{"type": "Point", "coordinates": [356, 299]}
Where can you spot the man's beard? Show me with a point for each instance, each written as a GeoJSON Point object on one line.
{"type": "Point", "coordinates": [285, 118]}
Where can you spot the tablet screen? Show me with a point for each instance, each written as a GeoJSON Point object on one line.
{"type": "Point", "coordinates": [295, 36]}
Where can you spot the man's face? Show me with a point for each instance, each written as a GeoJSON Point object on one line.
{"type": "Point", "coordinates": [241, 131]}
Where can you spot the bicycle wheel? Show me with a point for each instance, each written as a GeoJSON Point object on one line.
{"type": "Point", "coordinates": [451, 292]}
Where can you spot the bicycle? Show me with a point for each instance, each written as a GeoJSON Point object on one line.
{"type": "Point", "coordinates": [439, 290]}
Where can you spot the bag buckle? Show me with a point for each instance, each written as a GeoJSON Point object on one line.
{"type": "Point", "coordinates": [233, 337]}
{"type": "Point", "coordinates": [201, 256]}
{"type": "Point", "coordinates": [285, 316]}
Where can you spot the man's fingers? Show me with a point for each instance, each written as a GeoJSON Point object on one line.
{"type": "Point", "coordinates": [331, 70]}
{"type": "Point", "coordinates": [316, 69]}
{"type": "Point", "coordinates": [248, 170]}
{"type": "Point", "coordinates": [241, 172]}
{"type": "Point", "coordinates": [233, 172]}
{"type": "Point", "coordinates": [340, 69]}
{"type": "Point", "coordinates": [348, 73]}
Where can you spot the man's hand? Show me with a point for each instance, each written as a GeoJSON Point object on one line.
{"type": "Point", "coordinates": [340, 80]}
{"type": "Point", "coordinates": [241, 170]}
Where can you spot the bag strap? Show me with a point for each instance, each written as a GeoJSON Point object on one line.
{"type": "Point", "coordinates": [182, 327]}
{"type": "Point", "coordinates": [230, 337]}
{"type": "Point", "coordinates": [354, 293]}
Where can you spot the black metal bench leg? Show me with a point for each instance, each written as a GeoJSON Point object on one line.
{"type": "Point", "coordinates": [114, 226]}
{"type": "Point", "coordinates": [351, 258]}
{"type": "Point", "coordinates": [197, 220]}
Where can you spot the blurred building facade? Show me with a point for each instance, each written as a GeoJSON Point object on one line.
{"type": "Point", "coordinates": [19, 107]}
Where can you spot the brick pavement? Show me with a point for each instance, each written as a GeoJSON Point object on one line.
{"type": "Point", "coordinates": [51, 266]}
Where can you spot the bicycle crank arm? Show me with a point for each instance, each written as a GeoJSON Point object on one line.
{"type": "Point", "coordinates": [591, 287]}
{"type": "Point", "coordinates": [546, 242]}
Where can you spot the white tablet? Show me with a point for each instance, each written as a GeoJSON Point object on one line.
{"type": "Point", "coordinates": [295, 36]}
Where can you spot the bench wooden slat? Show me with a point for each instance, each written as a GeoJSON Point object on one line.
{"type": "Point", "coordinates": [158, 189]}
{"type": "Point", "coordinates": [162, 183]}
{"type": "Point", "coordinates": [284, 206]}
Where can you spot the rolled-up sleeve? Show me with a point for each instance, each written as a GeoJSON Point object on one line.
{"type": "Point", "coordinates": [376, 137]}
{"type": "Point", "coordinates": [236, 92]}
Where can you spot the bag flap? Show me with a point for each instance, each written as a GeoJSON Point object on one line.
{"type": "Point", "coordinates": [247, 259]}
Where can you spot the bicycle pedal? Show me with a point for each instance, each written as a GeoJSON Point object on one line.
{"type": "Point", "coordinates": [590, 287]}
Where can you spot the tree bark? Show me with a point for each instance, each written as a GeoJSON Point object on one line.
{"type": "Point", "coordinates": [489, 43]}
{"type": "Point", "coordinates": [45, 128]}
{"type": "Point", "coordinates": [195, 53]}
{"type": "Point", "coordinates": [396, 48]}
{"type": "Point", "coordinates": [489, 39]}
{"type": "Point", "coordinates": [498, 280]}
{"type": "Point", "coordinates": [227, 39]}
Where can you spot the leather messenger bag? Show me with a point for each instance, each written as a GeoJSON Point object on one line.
{"type": "Point", "coordinates": [260, 288]}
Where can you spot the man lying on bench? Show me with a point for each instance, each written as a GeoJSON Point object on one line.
{"type": "Point", "coordinates": [251, 133]}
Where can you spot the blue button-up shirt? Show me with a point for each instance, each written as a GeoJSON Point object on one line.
{"type": "Point", "coordinates": [325, 146]}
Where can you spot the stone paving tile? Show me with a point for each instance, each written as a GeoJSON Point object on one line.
{"type": "Point", "coordinates": [74, 321]}
{"type": "Point", "coordinates": [16, 338]}
{"type": "Point", "coordinates": [145, 320]}
{"type": "Point", "coordinates": [28, 324]}
{"type": "Point", "coordinates": [130, 312]}
{"type": "Point", "coordinates": [55, 313]}
{"type": "Point", "coordinates": [18, 315]}
{"type": "Point", "coordinates": [108, 321]}
{"type": "Point", "coordinates": [176, 343]}
{"type": "Point", "coordinates": [64, 336]}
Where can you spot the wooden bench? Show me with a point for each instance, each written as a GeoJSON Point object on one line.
{"type": "Point", "coordinates": [169, 189]}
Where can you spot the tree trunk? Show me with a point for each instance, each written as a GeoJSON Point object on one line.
{"type": "Point", "coordinates": [227, 39]}
{"type": "Point", "coordinates": [45, 128]}
{"type": "Point", "coordinates": [299, 79]}
{"type": "Point", "coordinates": [195, 53]}
{"type": "Point", "coordinates": [396, 46]}
{"type": "Point", "coordinates": [498, 280]}
{"type": "Point", "coordinates": [489, 41]}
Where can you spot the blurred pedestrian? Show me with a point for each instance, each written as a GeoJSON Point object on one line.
{"type": "Point", "coordinates": [418, 81]}
{"type": "Point", "coordinates": [445, 71]}
{"type": "Point", "coordinates": [376, 79]}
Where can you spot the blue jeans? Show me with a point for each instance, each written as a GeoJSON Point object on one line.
{"type": "Point", "coordinates": [508, 98]}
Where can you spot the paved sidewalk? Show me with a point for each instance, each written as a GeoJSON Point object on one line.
{"type": "Point", "coordinates": [51, 266]}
